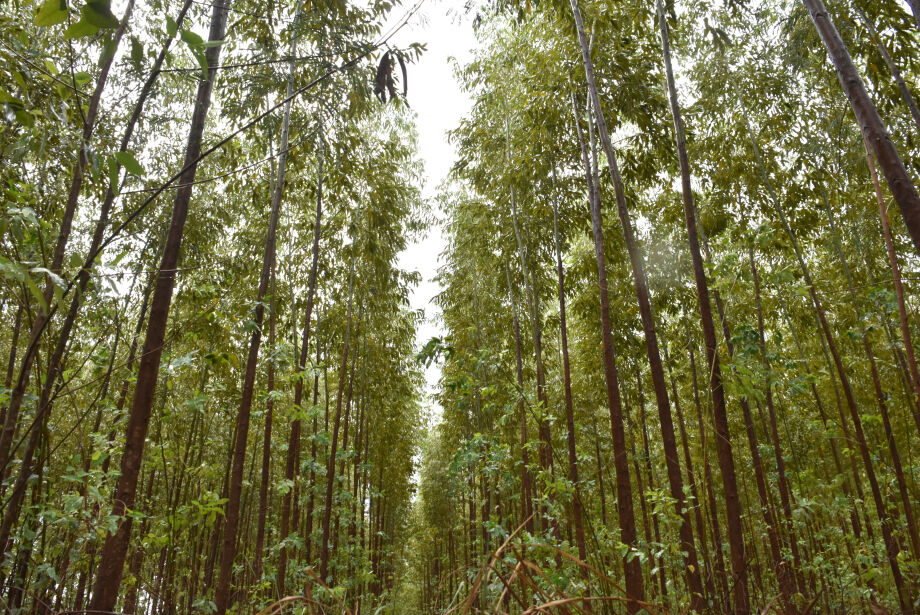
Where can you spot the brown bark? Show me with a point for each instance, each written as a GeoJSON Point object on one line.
{"type": "Point", "coordinates": [331, 465]}
{"type": "Point", "coordinates": [569, 410]}
{"type": "Point", "coordinates": [265, 475]}
{"type": "Point", "coordinates": [898, 290]}
{"type": "Point", "coordinates": [311, 495]}
{"type": "Point", "coordinates": [526, 489]}
{"type": "Point", "coordinates": [293, 453]}
{"type": "Point", "coordinates": [635, 590]}
{"type": "Point", "coordinates": [111, 565]}
{"type": "Point", "coordinates": [873, 129]}
{"type": "Point", "coordinates": [741, 603]}
{"type": "Point", "coordinates": [637, 263]}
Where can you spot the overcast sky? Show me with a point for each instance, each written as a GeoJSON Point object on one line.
{"type": "Point", "coordinates": [435, 96]}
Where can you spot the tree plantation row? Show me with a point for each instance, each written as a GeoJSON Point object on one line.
{"type": "Point", "coordinates": [678, 373]}
{"type": "Point", "coordinates": [678, 303]}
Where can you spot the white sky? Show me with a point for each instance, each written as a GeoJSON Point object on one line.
{"type": "Point", "coordinates": [435, 96]}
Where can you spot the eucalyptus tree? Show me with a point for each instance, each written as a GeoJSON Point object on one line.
{"type": "Point", "coordinates": [899, 182]}
{"type": "Point", "coordinates": [112, 556]}
{"type": "Point", "coordinates": [661, 394]}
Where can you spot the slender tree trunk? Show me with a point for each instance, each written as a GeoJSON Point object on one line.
{"type": "Point", "coordinates": [880, 396]}
{"type": "Point", "coordinates": [741, 603]}
{"type": "Point", "coordinates": [891, 546]}
{"type": "Point", "coordinates": [898, 290]}
{"type": "Point", "coordinates": [308, 532]}
{"type": "Point", "coordinates": [526, 489]}
{"type": "Point", "coordinates": [783, 573]}
{"type": "Point", "coordinates": [649, 470]}
{"type": "Point", "coordinates": [707, 481]}
{"type": "Point", "coordinates": [70, 208]}
{"type": "Point", "coordinates": [691, 477]}
{"type": "Point", "coordinates": [266, 448]}
{"type": "Point", "coordinates": [788, 536]}
{"type": "Point", "coordinates": [231, 517]}
{"type": "Point", "coordinates": [10, 417]}
{"type": "Point", "coordinates": [635, 591]}
{"type": "Point", "coordinates": [569, 410]}
{"type": "Point", "coordinates": [111, 565]}
{"type": "Point", "coordinates": [892, 67]}
{"type": "Point", "coordinates": [672, 459]}
{"type": "Point", "coordinates": [330, 466]}
{"type": "Point", "coordinates": [874, 131]}
{"type": "Point", "coordinates": [14, 343]}
{"type": "Point", "coordinates": [137, 559]}
{"type": "Point", "coordinates": [290, 470]}
{"type": "Point", "coordinates": [546, 455]}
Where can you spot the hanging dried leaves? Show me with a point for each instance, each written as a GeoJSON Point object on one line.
{"type": "Point", "coordinates": [383, 81]}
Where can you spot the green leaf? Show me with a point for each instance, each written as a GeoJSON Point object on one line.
{"type": "Point", "coordinates": [50, 13]}
{"type": "Point", "coordinates": [130, 163]}
{"type": "Point", "coordinates": [191, 38]}
{"type": "Point", "coordinates": [80, 29]}
{"type": "Point", "coordinates": [171, 27]}
{"type": "Point", "coordinates": [82, 77]}
{"type": "Point", "coordinates": [99, 13]}
{"type": "Point", "coordinates": [202, 61]}
{"type": "Point", "coordinates": [24, 117]}
{"type": "Point", "coordinates": [137, 53]}
{"type": "Point", "coordinates": [113, 174]}
{"type": "Point", "coordinates": [36, 292]}
{"type": "Point", "coordinates": [108, 50]}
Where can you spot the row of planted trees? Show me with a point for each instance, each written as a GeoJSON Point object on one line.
{"type": "Point", "coordinates": [210, 398]}
{"type": "Point", "coordinates": [679, 370]}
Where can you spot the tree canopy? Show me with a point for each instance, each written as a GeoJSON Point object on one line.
{"type": "Point", "coordinates": [678, 304]}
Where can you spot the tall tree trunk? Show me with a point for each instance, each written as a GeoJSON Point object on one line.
{"type": "Point", "coordinates": [57, 261]}
{"type": "Point", "coordinates": [784, 575]}
{"type": "Point", "coordinates": [266, 447]}
{"type": "Point", "coordinates": [891, 546]}
{"type": "Point", "coordinates": [231, 516]}
{"type": "Point", "coordinates": [898, 290]}
{"type": "Point", "coordinates": [526, 489]}
{"type": "Point", "coordinates": [697, 504]}
{"type": "Point", "coordinates": [311, 495]}
{"type": "Point", "coordinates": [635, 591]}
{"type": "Point", "coordinates": [330, 466]}
{"type": "Point", "coordinates": [707, 481]}
{"type": "Point", "coordinates": [108, 579]}
{"type": "Point", "coordinates": [637, 263]}
{"type": "Point", "coordinates": [293, 452]}
{"type": "Point", "coordinates": [577, 512]}
{"type": "Point", "coordinates": [741, 601]}
{"type": "Point", "coordinates": [874, 131]}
